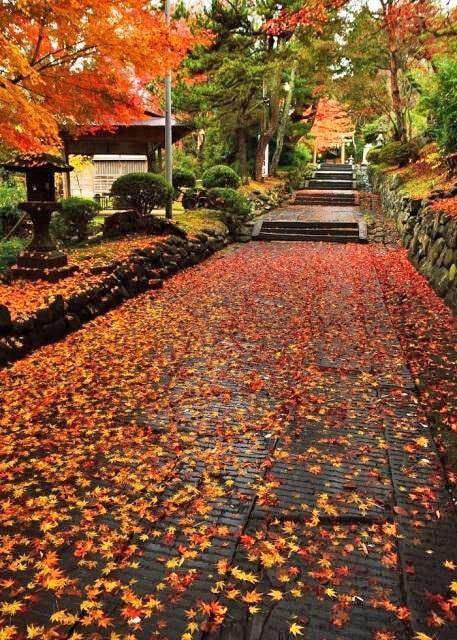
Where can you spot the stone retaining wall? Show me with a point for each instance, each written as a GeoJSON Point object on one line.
{"type": "Point", "coordinates": [429, 235]}
{"type": "Point", "coordinates": [143, 269]}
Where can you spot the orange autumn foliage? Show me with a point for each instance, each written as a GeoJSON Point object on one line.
{"type": "Point", "coordinates": [312, 13]}
{"type": "Point", "coordinates": [79, 62]}
{"type": "Point", "coordinates": [330, 124]}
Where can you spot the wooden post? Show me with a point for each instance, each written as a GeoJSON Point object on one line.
{"type": "Point", "coordinates": [66, 176]}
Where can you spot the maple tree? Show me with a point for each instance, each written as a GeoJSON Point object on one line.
{"type": "Point", "coordinates": [331, 123]}
{"type": "Point", "coordinates": [79, 63]}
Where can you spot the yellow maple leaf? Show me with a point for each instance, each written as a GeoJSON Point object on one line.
{"type": "Point", "coordinates": [11, 608]}
{"type": "Point", "coordinates": [34, 631]}
{"type": "Point", "coordinates": [422, 636]}
{"type": "Point", "coordinates": [275, 594]}
{"type": "Point", "coordinates": [63, 617]}
{"type": "Point", "coordinates": [453, 586]}
{"type": "Point", "coordinates": [252, 597]}
{"type": "Point", "coordinates": [295, 629]}
{"type": "Point", "coordinates": [448, 564]}
{"type": "Point", "coordinates": [243, 575]}
{"type": "Point", "coordinates": [7, 632]}
{"type": "Point", "coordinates": [331, 593]}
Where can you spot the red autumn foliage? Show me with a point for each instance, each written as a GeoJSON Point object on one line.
{"type": "Point", "coordinates": [330, 124]}
{"type": "Point", "coordinates": [79, 63]}
{"type": "Point", "coordinates": [313, 14]}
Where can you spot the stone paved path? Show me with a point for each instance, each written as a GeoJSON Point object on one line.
{"type": "Point", "coordinates": [239, 456]}
{"type": "Point", "coordinates": [315, 213]}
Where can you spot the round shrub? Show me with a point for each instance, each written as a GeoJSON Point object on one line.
{"type": "Point", "coordinates": [76, 214]}
{"type": "Point", "coordinates": [297, 177]}
{"type": "Point", "coordinates": [183, 178]}
{"type": "Point", "coordinates": [141, 192]}
{"type": "Point", "coordinates": [221, 176]}
{"type": "Point", "coordinates": [398, 153]}
{"type": "Point", "coordinates": [373, 155]}
{"type": "Point", "coordinates": [234, 205]}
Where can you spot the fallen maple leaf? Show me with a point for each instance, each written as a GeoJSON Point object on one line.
{"type": "Point", "coordinates": [295, 629]}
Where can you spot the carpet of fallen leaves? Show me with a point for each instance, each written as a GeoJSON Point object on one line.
{"type": "Point", "coordinates": [427, 330]}
{"type": "Point", "coordinates": [22, 297]}
{"type": "Point", "coordinates": [243, 451]}
{"type": "Point", "coordinates": [446, 205]}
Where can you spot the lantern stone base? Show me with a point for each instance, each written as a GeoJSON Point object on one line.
{"type": "Point", "coordinates": [42, 265]}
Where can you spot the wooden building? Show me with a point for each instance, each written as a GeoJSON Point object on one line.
{"type": "Point", "coordinates": [105, 155]}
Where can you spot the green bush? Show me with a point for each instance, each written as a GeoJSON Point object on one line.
{"type": "Point", "coordinates": [297, 155]}
{"type": "Point", "coordinates": [398, 153]}
{"type": "Point", "coordinates": [183, 178]}
{"type": "Point", "coordinates": [77, 213]}
{"type": "Point", "coordinates": [11, 193]}
{"type": "Point", "coordinates": [297, 177]}
{"type": "Point", "coordinates": [221, 176]}
{"type": "Point", "coordinates": [443, 106]}
{"type": "Point", "coordinates": [234, 205]}
{"type": "Point", "coordinates": [373, 155]}
{"type": "Point", "coordinates": [9, 250]}
{"type": "Point", "coordinates": [58, 228]}
{"type": "Point", "coordinates": [141, 192]}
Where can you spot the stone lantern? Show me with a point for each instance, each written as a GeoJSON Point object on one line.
{"type": "Point", "coordinates": [41, 259]}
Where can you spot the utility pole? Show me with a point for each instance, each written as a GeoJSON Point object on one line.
{"type": "Point", "coordinates": [168, 131]}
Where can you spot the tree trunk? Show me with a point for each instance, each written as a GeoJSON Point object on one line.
{"type": "Point", "coordinates": [284, 121]}
{"type": "Point", "coordinates": [270, 126]}
{"type": "Point", "coordinates": [400, 124]}
{"type": "Point", "coordinates": [262, 145]}
{"type": "Point", "coordinates": [242, 155]}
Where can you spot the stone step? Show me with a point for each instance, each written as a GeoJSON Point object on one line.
{"type": "Point", "coordinates": [297, 230]}
{"type": "Point", "coordinates": [303, 237]}
{"type": "Point", "coordinates": [315, 183]}
{"type": "Point", "coordinates": [336, 167]}
{"type": "Point", "coordinates": [311, 232]}
{"type": "Point", "coordinates": [334, 175]}
{"type": "Point", "coordinates": [294, 226]}
{"type": "Point", "coordinates": [331, 200]}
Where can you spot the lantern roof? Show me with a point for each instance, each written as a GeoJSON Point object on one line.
{"type": "Point", "coordinates": [37, 162]}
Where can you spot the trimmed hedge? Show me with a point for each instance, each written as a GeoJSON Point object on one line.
{"type": "Point", "coordinates": [77, 213]}
{"type": "Point", "coordinates": [141, 192]}
{"type": "Point", "coordinates": [373, 155]}
{"type": "Point", "coordinates": [398, 153]}
{"type": "Point", "coordinates": [183, 178]}
{"type": "Point", "coordinates": [234, 205]}
{"type": "Point", "coordinates": [221, 176]}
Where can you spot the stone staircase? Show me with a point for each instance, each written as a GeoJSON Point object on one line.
{"type": "Point", "coordinates": [331, 186]}
{"type": "Point", "coordinates": [333, 177]}
{"type": "Point", "coordinates": [290, 230]}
